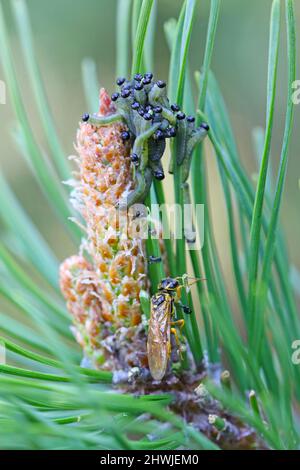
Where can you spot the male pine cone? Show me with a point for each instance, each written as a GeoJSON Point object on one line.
{"type": "Point", "coordinates": [102, 283]}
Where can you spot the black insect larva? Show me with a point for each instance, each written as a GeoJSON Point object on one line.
{"type": "Point", "coordinates": [138, 86]}
{"type": "Point", "coordinates": [135, 158]}
{"type": "Point", "coordinates": [159, 134]}
{"type": "Point", "coordinates": [190, 119]}
{"type": "Point", "coordinates": [171, 132]}
{"type": "Point", "coordinates": [180, 115]}
{"type": "Point", "coordinates": [161, 84]}
{"type": "Point", "coordinates": [125, 92]}
{"type": "Point", "coordinates": [115, 96]}
{"type": "Point", "coordinates": [205, 126]}
{"type": "Point", "coordinates": [146, 81]}
{"type": "Point", "coordinates": [125, 135]}
{"type": "Point", "coordinates": [159, 175]}
{"type": "Point", "coordinates": [150, 119]}
{"type": "Point", "coordinates": [138, 77]}
{"type": "Point", "coordinates": [120, 81]}
{"type": "Point", "coordinates": [85, 117]}
{"type": "Point", "coordinates": [175, 107]}
{"type": "Point", "coordinates": [148, 75]}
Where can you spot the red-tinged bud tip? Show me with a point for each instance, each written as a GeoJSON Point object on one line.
{"type": "Point", "coordinates": [106, 106]}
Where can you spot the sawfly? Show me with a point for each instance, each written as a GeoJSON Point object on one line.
{"type": "Point", "coordinates": [162, 323]}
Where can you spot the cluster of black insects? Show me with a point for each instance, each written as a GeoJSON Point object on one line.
{"type": "Point", "coordinates": [143, 104]}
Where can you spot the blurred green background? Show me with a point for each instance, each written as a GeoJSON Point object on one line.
{"type": "Point", "coordinates": [66, 31]}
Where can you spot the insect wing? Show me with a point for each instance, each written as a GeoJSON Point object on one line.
{"type": "Point", "coordinates": [159, 335]}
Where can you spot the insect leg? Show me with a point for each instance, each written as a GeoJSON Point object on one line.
{"type": "Point", "coordinates": [178, 293]}
{"type": "Point", "coordinates": [174, 332]}
{"type": "Point", "coordinates": [179, 323]}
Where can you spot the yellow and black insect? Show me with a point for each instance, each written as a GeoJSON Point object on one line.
{"type": "Point", "coordinates": [161, 324]}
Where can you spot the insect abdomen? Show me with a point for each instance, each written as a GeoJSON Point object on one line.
{"type": "Point", "coordinates": [158, 344]}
